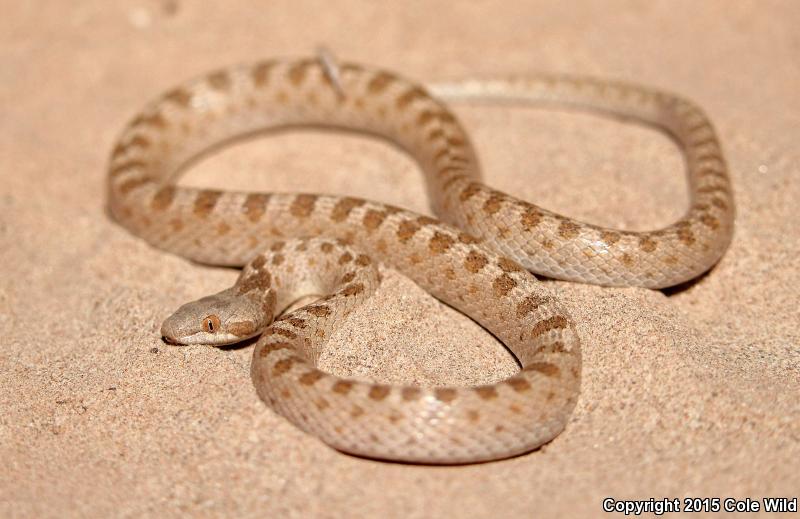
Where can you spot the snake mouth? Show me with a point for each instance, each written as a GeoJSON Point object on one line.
{"type": "Point", "coordinates": [201, 339]}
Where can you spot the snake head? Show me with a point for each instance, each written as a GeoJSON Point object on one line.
{"type": "Point", "coordinates": [227, 317]}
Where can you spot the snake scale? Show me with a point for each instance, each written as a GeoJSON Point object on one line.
{"type": "Point", "coordinates": [477, 258]}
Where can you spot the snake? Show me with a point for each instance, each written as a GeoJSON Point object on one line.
{"type": "Point", "coordinates": [478, 255]}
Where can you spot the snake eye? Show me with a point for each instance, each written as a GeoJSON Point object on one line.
{"type": "Point", "coordinates": [211, 324]}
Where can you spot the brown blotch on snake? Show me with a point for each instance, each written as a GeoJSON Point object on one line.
{"type": "Point", "coordinates": [290, 319]}
{"type": "Point", "coordinates": [205, 202]}
{"type": "Point", "coordinates": [445, 395]}
{"type": "Point", "coordinates": [345, 258]}
{"type": "Point", "coordinates": [568, 230]}
{"type": "Point", "coordinates": [406, 230]}
{"type": "Point", "coordinates": [686, 235]}
{"type": "Point", "coordinates": [508, 265]}
{"type": "Point", "coordinates": [440, 242]}
{"type": "Point", "coordinates": [163, 198]}
{"type": "Point", "coordinates": [137, 141]}
{"type": "Point", "coordinates": [297, 72]}
{"type": "Point", "coordinates": [242, 328]}
{"type": "Point", "coordinates": [710, 221]}
{"type": "Point", "coordinates": [220, 81]}
{"type": "Point", "coordinates": [373, 219]}
{"type": "Point", "coordinates": [255, 205]}
{"type": "Point", "coordinates": [435, 134]}
{"type": "Point", "coordinates": [379, 392]}
{"type": "Point", "coordinates": [155, 120]}
{"type": "Point", "coordinates": [318, 310]}
{"type": "Point", "coordinates": [223, 229]}
{"type": "Point", "coordinates": [286, 333]}
{"type": "Point", "coordinates": [493, 204]}
{"type": "Point", "coordinates": [379, 83]}
{"type": "Point", "coordinates": [275, 346]}
{"type": "Point", "coordinates": [282, 366]}
{"type": "Point", "coordinates": [130, 185]}
{"type": "Point", "coordinates": [455, 173]}
{"type": "Point", "coordinates": [261, 72]}
{"type": "Point", "coordinates": [343, 208]}
{"type": "Point", "coordinates": [502, 285]}
{"type": "Point", "coordinates": [342, 387]}
{"type": "Point", "coordinates": [556, 322]}
{"type": "Point", "coordinates": [610, 237]}
{"type": "Point", "coordinates": [529, 304]}
{"type": "Point", "coordinates": [255, 281]}
{"type": "Point", "coordinates": [469, 191]}
{"type": "Point", "coordinates": [486, 392]}
{"type": "Point", "coordinates": [647, 244]}
{"type": "Point", "coordinates": [409, 96]}
{"type": "Point", "coordinates": [627, 259]}
{"type": "Point", "coordinates": [719, 203]}
{"type": "Point", "coordinates": [475, 261]}
{"type": "Point", "coordinates": [518, 384]}
{"type": "Point", "coordinates": [310, 378]}
{"type": "Point", "coordinates": [426, 220]}
{"type": "Point", "coordinates": [352, 290]}
{"type": "Point", "coordinates": [424, 118]}
{"type": "Point", "coordinates": [259, 262]}
{"type": "Point", "coordinates": [545, 368]}
{"type": "Point", "coordinates": [128, 165]}
{"type": "Point", "coordinates": [456, 142]}
{"type": "Point", "coordinates": [411, 393]}
{"type": "Point", "coordinates": [468, 239]}
{"type": "Point", "coordinates": [303, 205]}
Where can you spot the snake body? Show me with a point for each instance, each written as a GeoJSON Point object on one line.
{"type": "Point", "coordinates": [477, 258]}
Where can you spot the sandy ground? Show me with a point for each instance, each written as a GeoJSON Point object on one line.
{"type": "Point", "coordinates": [690, 392]}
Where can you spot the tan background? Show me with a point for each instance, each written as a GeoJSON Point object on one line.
{"type": "Point", "coordinates": [686, 393]}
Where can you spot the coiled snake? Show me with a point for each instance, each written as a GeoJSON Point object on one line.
{"type": "Point", "coordinates": [477, 258]}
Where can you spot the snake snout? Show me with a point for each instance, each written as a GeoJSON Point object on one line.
{"type": "Point", "coordinates": [169, 333]}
